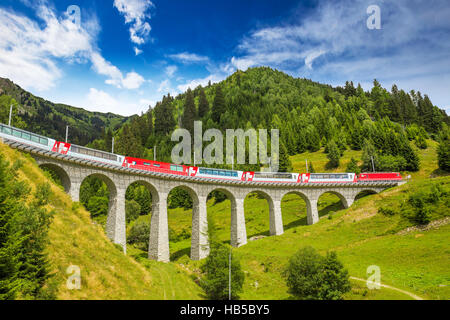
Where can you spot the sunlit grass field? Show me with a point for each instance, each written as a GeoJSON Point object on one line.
{"type": "Point", "coordinates": [416, 262]}
{"type": "Point", "coordinates": [106, 273]}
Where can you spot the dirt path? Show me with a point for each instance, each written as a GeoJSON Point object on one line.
{"type": "Point", "coordinates": [412, 295]}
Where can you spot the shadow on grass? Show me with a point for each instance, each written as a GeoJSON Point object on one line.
{"type": "Point", "coordinates": [180, 253]}
{"type": "Point", "coordinates": [439, 173]}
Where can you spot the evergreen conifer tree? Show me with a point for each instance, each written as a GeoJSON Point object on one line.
{"type": "Point", "coordinates": [203, 104]}
{"type": "Point", "coordinates": [218, 105]}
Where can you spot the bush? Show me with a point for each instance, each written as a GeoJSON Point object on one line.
{"type": "Point", "coordinates": [177, 237]}
{"type": "Point", "coordinates": [132, 210]}
{"type": "Point", "coordinates": [389, 163]}
{"type": "Point", "coordinates": [311, 276]}
{"type": "Point", "coordinates": [423, 216]}
{"type": "Point", "coordinates": [98, 206]}
{"type": "Point", "coordinates": [216, 270]}
{"type": "Point", "coordinates": [387, 211]}
{"type": "Point", "coordinates": [140, 235]}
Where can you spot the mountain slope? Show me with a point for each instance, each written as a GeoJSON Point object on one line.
{"type": "Point", "coordinates": [106, 273]}
{"type": "Point", "coordinates": [50, 119]}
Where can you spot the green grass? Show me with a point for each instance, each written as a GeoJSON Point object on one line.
{"type": "Point", "coordinates": [106, 273]}
{"type": "Point", "coordinates": [416, 262]}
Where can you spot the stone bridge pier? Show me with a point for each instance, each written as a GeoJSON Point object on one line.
{"type": "Point", "coordinates": [73, 171]}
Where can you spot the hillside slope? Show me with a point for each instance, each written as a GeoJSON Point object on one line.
{"type": "Point", "coordinates": [106, 273]}
{"type": "Point", "coordinates": [50, 119]}
{"type": "Point", "coordinates": [411, 259]}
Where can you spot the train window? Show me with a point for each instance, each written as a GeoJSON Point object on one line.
{"type": "Point", "coordinates": [6, 130]}
{"type": "Point", "coordinates": [35, 139]}
{"type": "Point", "coordinates": [26, 136]}
{"type": "Point", "coordinates": [146, 164]}
{"type": "Point", "coordinates": [17, 134]}
{"type": "Point", "coordinates": [180, 169]}
{"type": "Point", "coordinates": [156, 165]}
{"type": "Point", "coordinates": [173, 167]}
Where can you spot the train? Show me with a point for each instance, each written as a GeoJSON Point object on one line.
{"type": "Point", "coordinates": [103, 157]}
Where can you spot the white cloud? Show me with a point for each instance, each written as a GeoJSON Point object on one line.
{"type": "Point", "coordinates": [102, 101]}
{"type": "Point", "coordinates": [186, 57]}
{"type": "Point", "coordinates": [136, 12]}
{"type": "Point", "coordinates": [137, 51]}
{"type": "Point", "coordinates": [98, 100]}
{"type": "Point", "coordinates": [29, 52]}
{"type": "Point", "coordinates": [170, 71]}
{"type": "Point", "coordinates": [166, 87]}
{"type": "Point", "coordinates": [313, 56]}
{"type": "Point", "coordinates": [412, 44]}
{"type": "Point", "coordinates": [202, 81]}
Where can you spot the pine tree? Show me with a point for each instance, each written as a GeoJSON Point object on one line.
{"type": "Point", "coordinates": [334, 154]}
{"type": "Point", "coordinates": [108, 139]}
{"type": "Point", "coordinates": [369, 154]}
{"type": "Point", "coordinates": [189, 113]}
{"type": "Point", "coordinates": [284, 164]}
{"type": "Point", "coordinates": [352, 166]}
{"type": "Point", "coordinates": [218, 105]}
{"type": "Point", "coordinates": [163, 113]}
{"type": "Point", "coordinates": [444, 155]}
{"type": "Point", "coordinates": [129, 144]}
{"type": "Point", "coordinates": [203, 104]}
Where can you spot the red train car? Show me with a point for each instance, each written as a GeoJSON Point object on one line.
{"type": "Point", "coordinates": [380, 176]}
{"type": "Point", "coordinates": [155, 166]}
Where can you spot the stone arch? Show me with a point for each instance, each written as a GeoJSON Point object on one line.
{"type": "Point", "coordinates": [304, 197]}
{"type": "Point", "coordinates": [365, 192]}
{"type": "Point", "coordinates": [61, 173]}
{"type": "Point", "coordinates": [235, 230]}
{"type": "Point", "coordinates": [150, 187]}
{"type": "Point", "coordinates": [346, 202]}
{"type": "Point", "coordinates": [275, 218]}
{"type": "Point", "coordinates": [115, 221]}
{"type": "Point", "coordinates": [199, 230]}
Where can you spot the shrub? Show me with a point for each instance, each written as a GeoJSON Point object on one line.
{"type": "Point", "coordinates": [216, 270]}
{"type": "Point", "coordinates": [140, 235]}
{"type": "Point", "coordinates": [423, 216]}
{"type": "Point", "coordinates": [311, 276]}
{"type": "Point", "coordinates": [386, 211]}
{"type": "Point", "coordinates": [132, 210]}
{"type": "Point", "coordinates": [98, 206]}
{"type": "Point", "coordinates": [391, 163]}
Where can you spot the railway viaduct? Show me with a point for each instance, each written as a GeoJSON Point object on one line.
{"type": "Point", "coordinates": [72, 172]}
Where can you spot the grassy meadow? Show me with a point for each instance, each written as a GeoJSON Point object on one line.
{"type": "Point", "coordinates": [413, 260]}
{"type": "Point", "coordinates": [416, 261]}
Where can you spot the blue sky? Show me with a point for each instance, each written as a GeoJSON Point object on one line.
{"type": "Point", "coordinates": [123, 55]}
